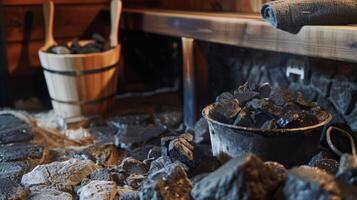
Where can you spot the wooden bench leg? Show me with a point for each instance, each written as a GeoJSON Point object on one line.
{"type": "Point", "coordinates": [189, 93]}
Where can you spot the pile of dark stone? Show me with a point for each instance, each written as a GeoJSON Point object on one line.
{"type": "Point", "coordinates": [98, 44]}
{"type": "Point", "coordinates": [261, 106]}
{"type": "Point", "coordinates": [153, 157]}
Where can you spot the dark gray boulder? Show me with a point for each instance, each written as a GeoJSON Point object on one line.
{"type": "Point", "coordinates": [309, 183]}
{"type": "Point", "coordinates": [10, 190]}
{"type": "Point", "coordinates": [201, 131]}
{"type": "Point", "coordinates": [244, 177]}
{"type": "Point", "coordinates": [13, 130]}
{"type": "Point", "coordinates": [20, 152]}
{"type": "Point", "coordinates": [169, 183]}
{"type": "Point", "coordinates": [13, 170]}
{"type": "Point", "coordinates": [347, 171]}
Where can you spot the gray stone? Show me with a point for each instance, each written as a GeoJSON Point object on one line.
{"type": "Point", "coordinates": [129, 135]}
{"type": "Point", "coordinates": [13, 170]}
{"type": "Point", "coordinates": [241, 178]}
{"type": "Point", "coordinates": [133, 195]}
{"type": "Point", "coordinates": [347, 171]}
{"type": "Point", "coordinates": [104, 154]}
{"type": "Point", "coordinates": [13, 130]}
{"type": "Point", "coordinates": [278, 169]}
{"type": "Point", "coordinates": [181, 149]}
{"type": "Point", "coordinates": [132, 166]}
{"type": "Point", "coordinates": [59, 175]}
{"type": "Point", "coordinates": [10, 190]}
{"type": "Point", "coordinates": [101, 175]}
{"type": "Point", "coordinates": [128, 194]}
{"type": "Point", "coordinates": [201, 131]}
{"type": "Point", "coordinates": [159, 163]}
{"type": "Point", "coordinates": [343, 101]}
{"type": "Point", "coordinates": [50, 194]}
{"type": "Point", "coordinates": [141, 153]}
{"type": "Point", "coordinates": [309, 183]}
{"type": "Point", "coordinates": [104, 190]}
{"type": "Point", "coordinates": [328, 165]}
{"type": "Point", "coordinates": [20, 152]}
{"type": "Point", "coordinates": [169, 183]}
{"type": "Point", "coordinates": [134, 180]}
{"type": "Point", "coordinates": [168, 119]}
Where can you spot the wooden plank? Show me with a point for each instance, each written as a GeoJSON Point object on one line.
{"type": "Point", "coordinates": [26, 22]}
{"type": "Point", "coordinates": [39, 2]}
{"type": "Point", "coordinates": [246, 30]}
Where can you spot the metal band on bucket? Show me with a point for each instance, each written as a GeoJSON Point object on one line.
{"type": "Point", "coordinates": [85, 102]}
{"type": "Point", "coordinates": [80, 72]}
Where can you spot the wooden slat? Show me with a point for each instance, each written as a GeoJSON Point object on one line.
{"type": "Point", "coordinates": [246, 30]}
{"type": "Point", "coordinates": [26, 22]}
{"type": "Point", "coordinates": [39, 2]}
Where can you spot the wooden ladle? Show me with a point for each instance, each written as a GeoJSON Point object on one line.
{"type": "Point", "coordinates": [115, 11]}
{"type": "Point", "coordinates": [48, 14]}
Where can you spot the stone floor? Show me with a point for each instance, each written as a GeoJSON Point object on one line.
{"type": "Point", "coordinates": [149, 155]}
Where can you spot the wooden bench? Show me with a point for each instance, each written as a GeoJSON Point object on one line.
{"type": "Point", "coordinates": [242, 30]}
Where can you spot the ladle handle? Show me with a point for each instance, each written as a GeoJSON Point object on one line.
{"type": "Point", "coordinates": [343, 132]}
{"type": "Point", "coordinates": [48, 14]}
{"type": "Point", "coordinates": [115, 12]}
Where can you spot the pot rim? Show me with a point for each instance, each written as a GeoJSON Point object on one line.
{"type": "Point", "coordinates": [266, 132]}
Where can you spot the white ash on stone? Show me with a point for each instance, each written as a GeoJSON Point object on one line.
{"type": "Point", "coordinates": [50, 194]}
{"type": "Point", "coordinates": [59, 175]}
{"type": "Point", "coordinates": [169, 183]}
{"type": "Point", "coordinates": [10, 190]}
{"type": "Point", "coordinates": [159, 163]}
{"type": "Point", "coordinates": [128, 194]}
{"type": "Point", "coordinates": [168, 119]}
{"type": "Point", "coordinates": [102, 175]}
{"type": "Point", "coordinates": [241, 178]}
{"type": "Point", "coordinates": [309, 183]}
{"type": "Point", "coordinates": [79, 135]}
{"type": "Point", "coordinates": [94, 190]}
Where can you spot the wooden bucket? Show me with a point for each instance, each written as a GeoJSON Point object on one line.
{"type": "Point", "coordinates": [81, 84]}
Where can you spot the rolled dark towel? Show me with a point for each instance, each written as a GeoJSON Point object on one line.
{"type": "Point", "coordinates": [292, 15]}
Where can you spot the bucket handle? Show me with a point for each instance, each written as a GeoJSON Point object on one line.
{"type": "Point", "coordinates": [48, 14]}
{"type": "Point", "coordinates": [343, 132]}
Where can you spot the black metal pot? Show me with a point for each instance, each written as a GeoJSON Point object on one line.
{"type": "Point", "coordinates": [289, 147]}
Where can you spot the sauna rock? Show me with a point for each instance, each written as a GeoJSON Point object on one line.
{"type": "Point", "coordinates": [102, 175]}
{"type": "Point", "coordinates": [50, 194]}
{"type": "Point", "coordinates": [201, 131]}
{"type": "Point", "coordinates": [169, 183]}
{"type": "Point", "coordinates": [262, 106]}
{"type": "Point", "coordinates": [244, 177]}
{"type": "Point", "coordinates": [310, 183]}
{"type": "Point", "coordinates": [13, 130]}
{"type": "Point", "coordinates": [71, 174]}
{"type": "Point", "coordinates": [104, 190]}
{"type": "Point", "coordinates": [347, 171]}
{"type": "Point", "coordinates": [11, 190]}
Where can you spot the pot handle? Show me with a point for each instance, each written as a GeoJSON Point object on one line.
{"type": "Point", "coordinates": [343, 132]}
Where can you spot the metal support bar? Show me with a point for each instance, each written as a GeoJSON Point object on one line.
{"type": "Point", "coordinates": [4, 74]}
{"type": "Point", "coordinates": [189, 93]}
